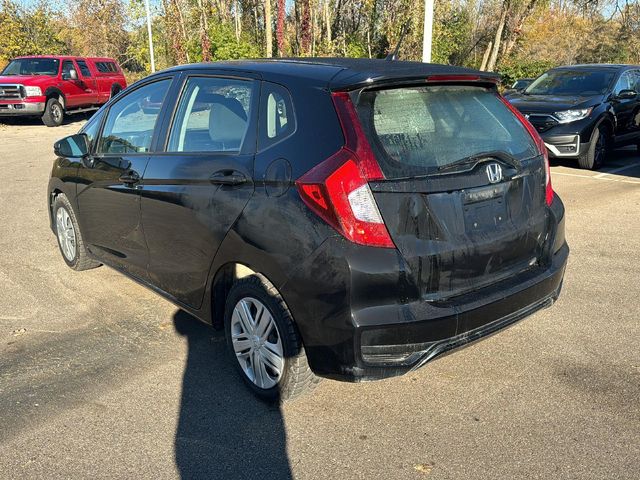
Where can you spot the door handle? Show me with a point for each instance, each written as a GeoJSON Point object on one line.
{"type": "Point", "coordinates": [228, 177]}
{"type": "Point", "coordinates": [129, 178]}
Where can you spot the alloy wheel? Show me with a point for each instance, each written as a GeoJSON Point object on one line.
{"type": "Point", "coordinates": [66, 234]}
{"type": "Point", "coordinates": [257, 343]}
{"type": "Point", "coordinates": [56, 112]}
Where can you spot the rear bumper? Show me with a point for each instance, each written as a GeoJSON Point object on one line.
{"type": "Point", "coordinates": [384, 355]}
{"type": "Point", "coordinates": [361, 320]}
{"type": "Point", "coordinates": [14, 109]}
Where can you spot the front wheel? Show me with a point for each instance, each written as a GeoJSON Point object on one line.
{"type": "Point", "coordinates": [69, 237]}
{"type": "Point", "coordinates": [597, 151]}
{"type": "Point", "coordinates": [264, 342]}
{"type": "Point", "coordinates": [53, 113]}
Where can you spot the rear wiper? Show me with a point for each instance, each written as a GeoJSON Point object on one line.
{"type": "Point", "coordinates": [473, 160]}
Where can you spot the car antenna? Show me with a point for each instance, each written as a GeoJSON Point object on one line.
{"type": "Point", "coordinates": [394, 56]}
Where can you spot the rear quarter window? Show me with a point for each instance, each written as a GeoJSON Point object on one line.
{"type": "Point", "coordinates": [413, 131]}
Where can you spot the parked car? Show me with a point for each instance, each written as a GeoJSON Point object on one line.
{"type": "Point", "coordinates": [584, 111]}
{"type": "Point", "coordinates": [51, 87]}
{"type": "Point", "coordinates": [342, 218]}
{"type": "Point", "coordinates": [518, 86]}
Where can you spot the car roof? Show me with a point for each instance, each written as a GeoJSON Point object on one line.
{"type": "Point", "coordinates": [596, 66]}
{"type": "Point", "coordinates": [68, 57]}
{"type": "Point", "coordinates": [336, 73]}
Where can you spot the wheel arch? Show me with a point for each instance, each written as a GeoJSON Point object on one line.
{"type": "Point", "coordinates": [221, 284]}
{"type": "Point", "coordinates": [56, 187]}
{"type": "Point", "coordinates": [116, 88]}
{"type": "Point", "coordinates": [53, 92]}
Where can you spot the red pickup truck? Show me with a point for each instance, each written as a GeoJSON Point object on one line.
{"type": "Point", "coordinates": [50, 86]}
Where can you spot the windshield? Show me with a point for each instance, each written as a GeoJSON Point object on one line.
{"type": "Point", "coordinates": [419, 130]}
{"type": "Point", "coordinates": [572, 82]}
{"type": "Point", "coordinates": [32, 66]}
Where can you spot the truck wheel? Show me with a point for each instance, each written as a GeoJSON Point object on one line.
{"type": "Point", "coordinates": [53, 113]}
{"type": "Point", "coordinates": [264, 343]}
{"type": "Point", "coordinates": [598, 150]}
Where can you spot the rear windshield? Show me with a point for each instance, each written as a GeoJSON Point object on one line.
{"type": "Point", "coordinates": [416, 130]}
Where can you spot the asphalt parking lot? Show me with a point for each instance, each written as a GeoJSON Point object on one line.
{"type": "Point", "coordinates": [101, 378]}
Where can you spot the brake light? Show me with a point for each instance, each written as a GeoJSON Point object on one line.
{"type": "Point", "coordinates": [337, 190]}
{"type": "Point", "coordinates": [541, 147]}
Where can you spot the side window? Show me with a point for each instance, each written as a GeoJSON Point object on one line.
{"type": "Point", "coordinates": [67, 66]}
{"type": "Point", "coordinates": [212, 116]}
{"type": "Point", "coordinates": [102, 67]}
{"type": "Point", "coordinates": [132, 119]}
{"type": "Point", "coordinates": [636, 80]}
{"type": "Point", "coordinates": [625, 82]}
{"type": "Point", "coordinates": [277, 120]}
{"type": "Point", "coordinates": [112, 67]}
{"type": "Point", "coordinates": [84, 68]}
{"type": "Point", "coordinates": [92, 126]}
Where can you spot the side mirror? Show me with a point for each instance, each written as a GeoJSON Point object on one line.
{"type": "Point", "coordinates": [72, 75]}
{"type": "Point", "coordinates": [73, 146]}
{"type": "Point", "coordinates": [627, 94]}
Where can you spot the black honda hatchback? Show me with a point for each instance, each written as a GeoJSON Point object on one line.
{"type": "Point", "coordinates": [340, 218]}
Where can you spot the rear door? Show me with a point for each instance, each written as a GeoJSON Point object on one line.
{"type": "Point", "coordinates": [625, 108]}
{"type": "Point", "coordinates": [88, 82]}
{"type": "Point", "coordinates": [104, 79]}
{"type": "Point", "coordinates": [464, 195]}
{"type": "Point", "coordinates": [194, 192]}
{"type": "Point", "coordinates": [109, 189]}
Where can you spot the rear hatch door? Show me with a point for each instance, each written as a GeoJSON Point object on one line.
{"type": "Point", "coordinates": [464, 191]}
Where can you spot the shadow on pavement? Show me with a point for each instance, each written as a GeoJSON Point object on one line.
{"type": "Point", "coordinates": [223, 432]}
{"type": "Point", "coordinates": [37, 121]}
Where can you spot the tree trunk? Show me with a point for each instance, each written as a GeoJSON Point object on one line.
{"type": "Point", "coordinates": [236, 20]}
{"type": "Point", "coordinates": [268, 28]}
{"type": "Point", "coordinates": [205, 42]}
{"type": "Point", "coordinates": [491, 64]}
{"type": "Point", "coordinates": [280, 27]}
{"type": "Point", "coordinates": [305, 27]}
{"type": "Point", "coordinates": [183, 30]}
{"type": "Point", "coordinates": [515, 33]}
{"type": "Point", "coordinates": [485, 57]}
{"type": "Point", "coordinates": [327, 21]}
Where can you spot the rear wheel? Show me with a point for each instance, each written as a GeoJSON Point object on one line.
{"type": "Point", "coordinates": [264, 342]}
{"type": "Point", "coordinates": [598, 149]}
{"type": "Point", "coordinates": [69, 237]}
{"type": "Point", "coordinates": [53, 113]}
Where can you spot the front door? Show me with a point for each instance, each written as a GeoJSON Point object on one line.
{"type": "Point", "coordinates": [193, 192]}
{"type": "Point", "coordinates": [109, 193]}
{"type": "Point", "coordinates": [625, 109]}
{"type": "Point", "coordinates": [74, 93]}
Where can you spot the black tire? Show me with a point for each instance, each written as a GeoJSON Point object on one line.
{"type": "Point", "coordinates": [80, 260]}
{"type": "Point", "coordinates": [53, 113]}
{"type": "Point", "coordinates": [297, 377]}
{"type": "Point", "coordinates": [599, 147]}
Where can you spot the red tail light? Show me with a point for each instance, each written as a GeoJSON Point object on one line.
{"type": "Point", "coordinates": [337, 190]}
{"type": "Point", "coordinates": [541, 146]}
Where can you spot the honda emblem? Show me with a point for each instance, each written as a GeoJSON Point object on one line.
{"type": "Point", "coordinates": [494, 173]}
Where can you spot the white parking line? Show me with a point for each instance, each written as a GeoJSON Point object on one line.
{"type": "Point", "coordinates": [617, 170]}
{"type": "Point", "coordinates": [596, 177]}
